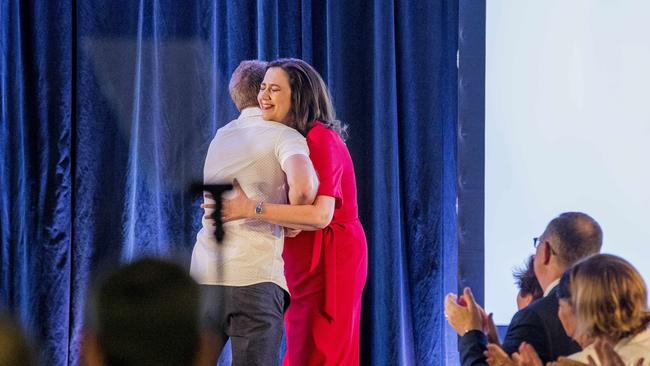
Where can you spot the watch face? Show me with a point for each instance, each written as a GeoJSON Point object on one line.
{"type": "Point", "coordinates": [258, 208]}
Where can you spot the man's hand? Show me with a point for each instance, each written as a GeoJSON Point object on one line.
{"type": "Point", "coordinates": [463, 317]}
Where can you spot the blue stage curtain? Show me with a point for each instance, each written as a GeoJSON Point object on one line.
{"type": "Point", "coordinates": [108, 108]}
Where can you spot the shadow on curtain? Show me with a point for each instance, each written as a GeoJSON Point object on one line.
{"type": "Point", "coordinates": [108, 109]}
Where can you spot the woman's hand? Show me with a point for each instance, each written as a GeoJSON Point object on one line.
{"type": "Point", "coordinates": [239, 207]}
{"type": "Point", "coordinates": [496, 356]}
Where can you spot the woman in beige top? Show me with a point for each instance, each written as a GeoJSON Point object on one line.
{"type": "Point", "coordinates": [610, 301]}
{"type": "Point", "coordinates": [604, 308]}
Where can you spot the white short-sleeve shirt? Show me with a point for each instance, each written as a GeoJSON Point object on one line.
{"type": "Point", "coordinates": [253, 151]}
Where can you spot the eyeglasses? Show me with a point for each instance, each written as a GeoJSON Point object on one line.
{"type": "Point", "coordinates": [537, 242]}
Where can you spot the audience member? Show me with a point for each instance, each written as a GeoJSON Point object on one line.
{"type": "Point", "coordinates": [568, 238]}
{"type": "Point", "coordinates": [145, 313]}
{"type": "Point", "coordinates": [529, 290]}
{"type": "Point", "coordinates": [611, 303]}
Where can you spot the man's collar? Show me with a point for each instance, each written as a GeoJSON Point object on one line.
{"type": "Point", "coordinates": [250, 112]}
{"type": "Point", "coordinates": [551, 286]}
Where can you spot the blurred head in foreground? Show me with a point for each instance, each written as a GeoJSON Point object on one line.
{"type": "Point", "coordinates": [144, 313]}
{"type": "Point", "coordinates": [14, 348]}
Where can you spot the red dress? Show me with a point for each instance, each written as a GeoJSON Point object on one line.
{"type": "Point", "coordinates": [326, 269]}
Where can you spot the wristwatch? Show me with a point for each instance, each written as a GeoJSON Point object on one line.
{"type": "Point", "coordinates": [258, 207]}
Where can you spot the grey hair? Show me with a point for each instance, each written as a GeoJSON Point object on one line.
{"type": "Point", "coordinates": [245, 83]}
{"type": "Point", "coordinates": [577, 236]}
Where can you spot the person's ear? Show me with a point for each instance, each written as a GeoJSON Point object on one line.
{"type": "Point", "coordinates": [546, 252]}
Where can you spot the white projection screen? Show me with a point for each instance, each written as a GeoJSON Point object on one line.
{"type": "Point", "coordinates": [567, 128]}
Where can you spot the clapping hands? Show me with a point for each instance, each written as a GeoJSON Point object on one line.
{"type": "Point", "coordinates": [463, 313]}
{"type": "Point", "coordinates": [527, 356]}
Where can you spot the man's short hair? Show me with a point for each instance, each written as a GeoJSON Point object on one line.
{"type": "Point", "coordinates": [147, 313]}
{"type": "Point", "coordinates": [245, 83]}
{"type": "Point", "coordinates": [575, 235]}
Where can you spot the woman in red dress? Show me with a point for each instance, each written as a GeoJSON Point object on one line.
{"type": "Point", "coordinates": [325, 264]}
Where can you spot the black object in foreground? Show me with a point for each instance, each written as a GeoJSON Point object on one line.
{"type": "Point", "coordinates": [216, 190]}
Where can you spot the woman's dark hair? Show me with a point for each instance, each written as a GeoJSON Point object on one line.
{"type": "Point", "coordinates": [310, 98]}
{"type": "Point", "coordinates": [527, 281]}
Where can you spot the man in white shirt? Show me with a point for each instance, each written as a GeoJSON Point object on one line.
{"type": "Point", "coordinates": [242, 277]}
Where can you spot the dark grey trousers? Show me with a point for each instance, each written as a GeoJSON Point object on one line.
{"type": "Point", "coordinates": [251, 316]}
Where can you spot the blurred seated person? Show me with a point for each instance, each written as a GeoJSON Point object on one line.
{"type": "Point", "coordinates": [605, 306]}
{"type": "Point", "coordinates": [611, 303]}
{"type": "Point", "coordinates": [145, 313]}
{"type": "Point", "coordinates": [14, 348]}
{"type": "Point", "coordinates": [526, 281]}
{"type": "Point", "coordinates": [529, 290]}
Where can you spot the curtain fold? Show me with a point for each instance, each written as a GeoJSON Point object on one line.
{"type": "Point", "coordinates": [35, 169]}
{"type": "Point", "coordinates": [102, 135]}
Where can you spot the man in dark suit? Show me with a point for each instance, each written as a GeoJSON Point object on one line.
{"type": "Point", "coordinates": [568, 238]}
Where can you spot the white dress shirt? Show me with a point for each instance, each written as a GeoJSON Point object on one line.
{"type": "Point", "coordinates": [253, 151]}
{"type": "Point", "coordinates": [551, 286]}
